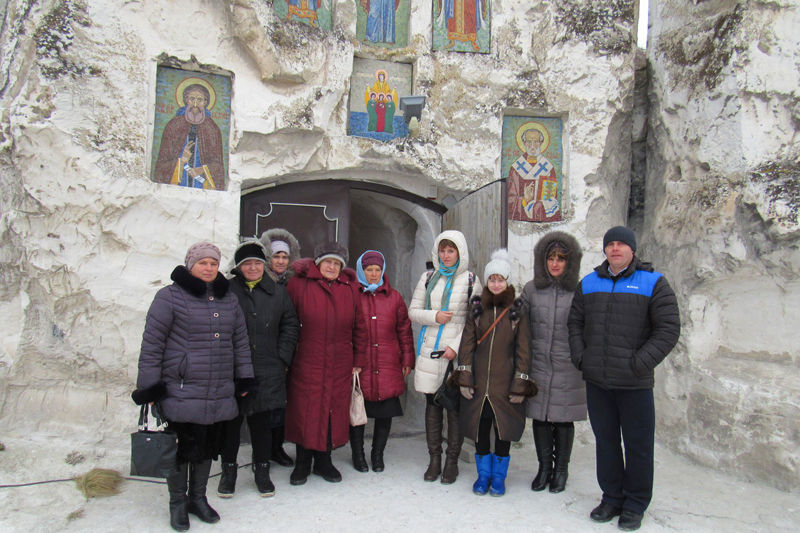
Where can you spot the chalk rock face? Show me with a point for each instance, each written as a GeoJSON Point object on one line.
{"type": "Point", "coordinates": [87, 237]}
{"type": "Point", "coordinates": [721, 221]}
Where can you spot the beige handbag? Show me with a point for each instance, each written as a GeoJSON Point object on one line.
{"type": "Point", "coordinates": [358, 413]}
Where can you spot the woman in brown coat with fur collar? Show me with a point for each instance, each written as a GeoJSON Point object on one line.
{"type": "Point", "coordinates": [494, 362]}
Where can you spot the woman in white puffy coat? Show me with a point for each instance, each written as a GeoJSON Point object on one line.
{"type": "Point", "coordinates": [440, 305]}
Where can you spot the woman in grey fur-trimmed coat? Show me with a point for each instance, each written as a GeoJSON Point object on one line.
{"type": "Point", "coordinates": [562, 393]}
{"type": "Point", "coordinates": [285, 250]}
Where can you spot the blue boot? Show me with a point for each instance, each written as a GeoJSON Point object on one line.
{"type": "Point", "coordinates": [499, 472]}
{"type": "Point", "coordinates": [484, 465]}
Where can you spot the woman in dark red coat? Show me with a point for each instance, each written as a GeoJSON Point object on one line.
{"type": "Point", "coordinates": [331, 347]}
{"type": "Point", "coordinates": [390, 357]}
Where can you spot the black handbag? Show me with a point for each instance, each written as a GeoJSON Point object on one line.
{"type": "Point", "coordinates": [447, 396]}
{"type": "Point", "coordinates": [152, 452]}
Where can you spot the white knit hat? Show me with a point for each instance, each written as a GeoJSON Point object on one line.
{"type": "Point", "coordinates": [498, 265]}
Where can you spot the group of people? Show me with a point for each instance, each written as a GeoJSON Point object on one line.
{"type": "Point", "coordinates": [282, 342]}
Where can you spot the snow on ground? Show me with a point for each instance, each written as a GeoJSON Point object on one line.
{"type": "Point", "coordinates": [687, 498]}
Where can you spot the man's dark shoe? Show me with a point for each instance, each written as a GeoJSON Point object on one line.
{"type": "Point", "coordinates": [604, 513]}
{"type": "Point", "coordinates": [629, 521]}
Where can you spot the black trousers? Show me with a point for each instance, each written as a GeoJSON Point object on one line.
{"type": "Point", "coordinates": [630, 414]}
{"type": "Point", "coordinates": [502, 448]}
{"type": "Point", "coordinates": [260, 425]}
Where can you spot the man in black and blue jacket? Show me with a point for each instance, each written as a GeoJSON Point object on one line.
{"type": "Point", "coordinates": [624, 321]}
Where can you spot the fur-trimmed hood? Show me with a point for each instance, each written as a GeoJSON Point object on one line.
{"type": "Point", "coordinates": [280, 234]}
{"type": "Point", "coordinates": [306, 268]}
{"type": "Point", "coordinates": [541, 275]}
{"type": "Point", "coordinates": [487, 299]}
{"type": "Point", "coordinates": [196, 286]}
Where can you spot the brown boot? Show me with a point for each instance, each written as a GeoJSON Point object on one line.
{"type": "Point", "coordinates": [434, 419]}
{"type": "Point", "coordinates": [454, 441]}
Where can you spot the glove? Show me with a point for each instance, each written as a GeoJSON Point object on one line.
{"type": "Point", "coordinates": [466, 392]}
{"type": "Point", "coordinates": [515, 398]}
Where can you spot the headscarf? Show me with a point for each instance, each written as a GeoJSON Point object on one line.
{"type": "Point", "coordinates": [370, 257]}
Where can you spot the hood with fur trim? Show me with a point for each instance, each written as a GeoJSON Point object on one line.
{"type": "Point", "coordinates": [305, 268]}
{"type": "Point", "coordinates": [280, 234]}
{"type": "Point", "coordinates": [461, 244]}
{"type": "Point", "coordinates": [571, 276]}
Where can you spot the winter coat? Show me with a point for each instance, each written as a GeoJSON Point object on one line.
{"type": "Point", "coordinates": [333, 340]}
{"type": "Point", "coordinates": [390, 344]}
{"type": "Point", "coordinates": [498, 367]}
{"type": "Point", "coordinates": [562, 392]}
{"type": "Point", "coordinates": [429, 373]}
{"type": "Point", "coordinates": [620, 328]}
{"type": "Point", "coordinates": [194, 344]}
{"type": "Point", "coordinates": [280, 234]}
{"type": "Point", "coordinates": [273, 328]}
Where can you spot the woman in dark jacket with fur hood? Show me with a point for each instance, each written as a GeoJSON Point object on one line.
{"type": "Point", "coordinates": [273, 329]}
{"type": "Point", "coordinates": [283, 249]}
{"type": "Point", "coordinates": [562, 393]}
{"type": "Point", "coordinates": [493, 373]}
{"type": "Point", "coordinates": [195, 359]}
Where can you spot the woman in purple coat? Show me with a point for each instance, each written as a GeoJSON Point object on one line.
{"type": "Point", "coordinates": [195, 359]}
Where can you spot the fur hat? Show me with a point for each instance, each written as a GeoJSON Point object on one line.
{"type": "Point", "coordinates": [498, 265]}
{"type": "Point", "coordinates": [621, 234]}
{"type": "Point", "coordinates": [201, 250]}
{"type": "Point", "coordinates": [252, 249]}
{"type": "Point", "coordinates": [330, 250]}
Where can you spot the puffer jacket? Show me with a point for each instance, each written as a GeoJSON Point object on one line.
{"type": "Point", "coordinates": [429, 373]}
{"type": "Point", "coordinates": [195, 344]}
{"type": "Point", "coordinates": [273, 329]}
{"type": "Point", "coordinates": [562, 392]}
{"type": "Point", "coordinates": [496, 368]}
{"type": "Point", "coordinates": [280, 234]}
{"type": "Point", "coordinates": [332, 342]}
{"type": "Point", "coordinates": [621, 328]}
{"type": "Point", "coordinates": [390, 344]}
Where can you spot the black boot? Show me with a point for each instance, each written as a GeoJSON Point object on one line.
{"type": "Point", "coordinates": [563, 437]}
{"type": "Point", "coordinates": [178, 483]}
{"type": "Point", "coordinates": [278, 454]}
{"type": "Point", "coordinates": [227, 480]}
{"type": "Point", "coordinates": [434, 420]}
{"type": "Point", "coordinates": [323, 467]}
{"type": "Point", "coordinates": [198, 504]}
{"type": "Point", "coordinates": [357, 447]}
{"type": "Point", "coordinates": [454, 441]}
{"type": "Point", "coordinates": [543, 439]}
{"type": "Point", "coordinates": [380, 436]}
{"type": "Point", "coordinates": [263, 482]}
{"type": "Point", "coordinates": [302, 466]}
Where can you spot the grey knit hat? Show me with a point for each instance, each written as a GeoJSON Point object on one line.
{"type": "Point", "coordinates": [621, 234]}
{"type": "Point", "coordinates": [199, 251]}
{"type": "Point", "coordinates": [330, 250]}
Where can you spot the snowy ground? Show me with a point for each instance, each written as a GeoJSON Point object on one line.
{"type": "Point", "coordinates": [687, 497]}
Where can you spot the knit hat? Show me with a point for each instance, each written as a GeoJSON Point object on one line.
{"type": "Point", "coordinates": [279, 246]}
{"type": "Point", "coordinates": [249, 250]}
{"type": "Point", "coordinates": [621, 234]}
{"type": "Point", "coordinates": [330, 250]}
{"type": "Point", "coordinates": [199, 251]}
{"type": "Point", "coordinates": [498, 265]}
{"type": "Point", "coordinates": [372, 258]}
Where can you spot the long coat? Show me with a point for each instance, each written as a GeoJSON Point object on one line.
{"type": "Point", "coordinates": [562, 392]}
{"type": "Point", "coordinates": [195, 343]}
{"type": "Point", "coordinates": [332, 342]}
{"type": "Point", "coordinates": [429, 372]}
{"type": "Point", "coordinates": [497, 367]}
{"type": "Point", "coordinates": [390, 343]}
{"type": "Point", "coordinates": [273, 328]}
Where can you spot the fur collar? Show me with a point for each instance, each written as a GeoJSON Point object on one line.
{"type": "Point", "coordinates": [541, 275]}
{"type": "Point", "coordinates": [488, 300]}
{"type": "Point", "coordinates": [196, 286]}
{"type": "Point", "coordinates": [305, 268]}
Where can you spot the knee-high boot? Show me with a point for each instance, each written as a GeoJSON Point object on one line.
{"type": "Point", "coordinates": [357, 448]}
{"type": "Point", "coordinates": [543, 439]}
{"type": "Point", "coordinates": [380, 436]}
{"type": "Point", "coordinates": [454, 441]}
{"type": "Point", "coordinates": [563, 436]}
{"type": "Point", "coordinates": [434, 420]}
{"type": "Point", "coordinates": [178, 483]}
{"type": "Point", "coordinates": [198, 504]}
